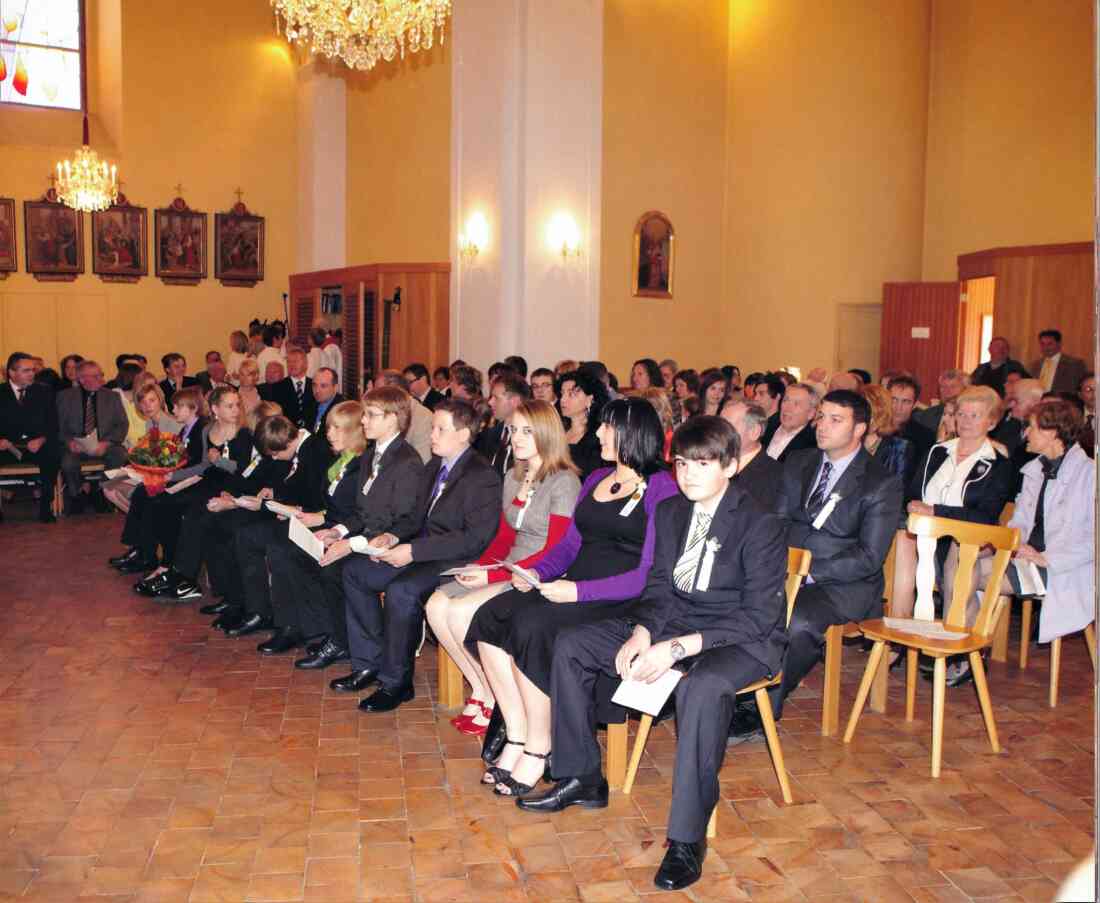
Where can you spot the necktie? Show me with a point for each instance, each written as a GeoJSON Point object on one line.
{"type": "Point", "coordinates": [89, 413]}
{"type": "Point", "coordinates": [1046, 374]}
{"type": "Point", "coordinates": [19, 390]}
{"type": "Point", "coordinates": [683, 575]}
{"type": "Point", "coordinates": [817, 497]}
{"type": "Point", "coordinates": [437, 487]}
{"type": "Point", "coordinates": [299, 390]}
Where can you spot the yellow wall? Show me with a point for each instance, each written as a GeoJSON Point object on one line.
{"type": "Point", "coordinates": [208, 99]}
{"type": "Point", "coordinates": [664, 109]}
{"type": "Point", "coordinates": [1011, 140]}
{"type": "Point", "coordinates": [399, 160]}
{"type": "Point", "coordinates": [827, 122]}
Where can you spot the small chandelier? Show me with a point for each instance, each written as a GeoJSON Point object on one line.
{"type": "Point", "coordinates": [85, 182]}
{"type": "Point", "coordinates": [361, 32]}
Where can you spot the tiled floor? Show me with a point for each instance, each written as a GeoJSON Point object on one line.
{"type": "Point", "coordinates": [145, 758]}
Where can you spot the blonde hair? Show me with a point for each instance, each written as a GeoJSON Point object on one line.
{"type": "Point", "coordinates": [238, 341]}
{"type": "Point", "coordinates": [192, 397]}
{"type": "Point", "coordinates": [262, 410]}
{"type": "Point", "coordinates": [943, 433]}
{"type": "Point", "coordinates": [550, 441]}
{"type": "Point", "coordinates": [391, 400]}
{"type": "Point", "coordinates": [658, 397]}
{"type": "Point", "coordinates": [982, 395]}
{"type": "Point", "coordinates": [347, 417]}
{"type": "Point", "coordinates": [143, 387]}
{"type": "Point", "coordinates": [882, 414]}
{"type": "Point", "coordinates": [251, 366]}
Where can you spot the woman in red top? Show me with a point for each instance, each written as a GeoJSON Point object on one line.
{"type": "Point", "coordinates": [540, 492]}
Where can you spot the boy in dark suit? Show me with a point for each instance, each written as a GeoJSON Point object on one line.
{"type": "Point", "coordinates": [459, 504]}
{"type": "Point", "coordinates": [713, 606]}
{"type": "Point", "coordinates": [843, 507]}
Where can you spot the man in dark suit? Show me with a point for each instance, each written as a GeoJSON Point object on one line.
{"type": "Point", "coordinates": [714, 607]}
{"type": "Point", "coordinates": [995, 371]}
{"type": "Point", "coordinates": [904, 392]}
{"type": "Point", "coordinates": [769, 393]}
{"type": "Point", "coordinates": [1056, 371]}
{"type": "Point", "coordinates": [386, 502]}
{"type": "Point", "coordinates": [214, 375]}
{"type": "Point", "coordinates": [28, 427]}
{"type": "Point", "coordinates": [951, 383]}
{"type": "Point", "coordinates": [84, 410]}
{"type": "Point", "coordinates": [796, 418]}
{"type": "Point", "coordinates": [757, 474]}
{"type": "Point", "coordinates": [459, 508]}
{"type": "Point", "coordinates": [508, 392]}
{"type": "Point", "coordinates": [175, 376]}
{"type": "Point", "coordinates": [844, 508]}
{"type": "Point", "coordinates": [420, 386]}
{"type": "Point", "coordinates": [294, 393]}
{"type": "Point", "coordinates": [327, 398]}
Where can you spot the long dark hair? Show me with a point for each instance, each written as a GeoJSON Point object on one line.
{"type": "Point", "coordinates": [639, 436]}
{"type": "Point", "coordinates": [592, 387]}
{"type": "Point", "coordinates": [652, 371]}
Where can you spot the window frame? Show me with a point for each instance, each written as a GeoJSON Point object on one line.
{"type": "Point", "coordinates": [80, 51]}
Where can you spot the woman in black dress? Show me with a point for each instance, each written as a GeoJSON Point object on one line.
{"type": "Point", "coordinates": [581, 398]}
{"type": "Point", "coordinates": [605, 558]}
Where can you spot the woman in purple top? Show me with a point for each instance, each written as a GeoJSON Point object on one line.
{"type": "Point", "coordinates": [603, 561]}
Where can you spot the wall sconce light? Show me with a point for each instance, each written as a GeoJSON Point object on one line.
{"type": "Point", "coordinates": [475, 238]}
{"type": "Point", "coordinates": [563, 236]}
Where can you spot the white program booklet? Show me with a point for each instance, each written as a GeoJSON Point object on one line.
{"type": "Point", "coordinates": [529, 575]}
{"type": "Point", "coordinates": [932, 630]}
{"type": "Point", "coordinates": [1031, 581]}
{"type": "Point", "coordinates": [183, 484]}
{"type": "Point", "coordinates": [305, 540]}
{"type": "Point", "coordinates": [250, 502]}
{"type": "Point", "coordinates": [280, 508]}
{"type": "Point", "coordinates": [87, 444]}
{"type": "Point", "coordinates": [648, 698]}
{"type": "Point", "coordinates": [131, 475]}
{"type": "Point", "coordinates": [466, 569]}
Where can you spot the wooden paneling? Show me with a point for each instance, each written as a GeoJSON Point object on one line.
{"type": "Point", "coordinates": [978, 305]}
{"type": "Point", "coordinates": [1039, 287]}
{"type": "Point", "coordinates": [920, 305]}
{"type": "Point", "coordinates": [305, 311]}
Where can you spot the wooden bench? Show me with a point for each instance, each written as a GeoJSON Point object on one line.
{"type": "Point", "coordinates": [28, 475]}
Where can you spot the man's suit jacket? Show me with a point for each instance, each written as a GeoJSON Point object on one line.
{"type": "Point", "coordinates": [307, 482]}
{"type": "Point", "coordinates": [743, 603]}
{"type": "Point", "coordinates": [322, 428]}
{"type": "Point", "coordinates": [393, 503]}
{"type": "Point", "coordinates": [283, 394]}
{"type": "Point", "coordinates": [419, 433]}
{"type": "Point", "coordinates": [465, 517]}
{"type": "Point", "coordinates": [1067, 376]}
{"type": "Point", "coordinates": [921, 437]}
{"type": "Point", "coordinates": [432, 399]}
{"type": "Point", "coordinates": [112, 424]}
{"type": "Point", "coordinates": [35, 416]}
{"type": "Point", "coordinates": [994, 377]}
{"type": "Point", "coordinates": [769, 430]}
{"type": "Point", "coordinates": [849, 549]}
{"type": "Point", "coordinates": [760, 479]}
{"type": "Point", "coordinates": [804, 438]}
{"type": "Point", "coordinates": [169, 390]}
{"type": "Point", "coordinates": [206, 383]}
{"type": "Point", "coordinates": [494, 449]}
{"type": "Point", "coordinates": [930, 417]}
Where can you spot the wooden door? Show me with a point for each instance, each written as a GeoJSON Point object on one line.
{"type": "Point", "coordinates": [419, 330]}
{"type": "Point", "coordinates": [920, 330]}
{"type": "Point", "coordinates": [859, 335]}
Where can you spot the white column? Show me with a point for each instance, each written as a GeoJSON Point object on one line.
{"type": "Point", "coordinates": [526, 126]}
{"type": "Point", "coordinates": [322, 169]}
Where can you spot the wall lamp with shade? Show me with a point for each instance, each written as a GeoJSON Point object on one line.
{"type": "Point", "coordinates": [474, 238]}
{"type": "Point", "coordinates": [564, 236]}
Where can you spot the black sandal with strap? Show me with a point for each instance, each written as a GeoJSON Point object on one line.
{"type": "Point", "coordinates": [513, 787]}
{"type": "Point", "coordinates": [499, 775]}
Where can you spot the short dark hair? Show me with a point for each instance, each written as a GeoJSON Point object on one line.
{"type": "Point", "coordinates": [127, 372]}
{"type": "Point", "coordinates": [775, 386]}
{"type": "Point", "coordinates": [1055, 334]}
{"type": "Point", "coordinates": [754, 378]}
{"type": "Point", "coordinates": [862, 374]}
{"type": "Point", "coordinates": [905, 382]}
{"type": "Point", "coordinates": [517, 363]}
{"type": "Point", "coordinates": [274, 434]}
{"type": "Point", "coordinates": [442, 371]}
{"type": "Point", "coordinates": [16, 356]}
{"type": "Point", "coordinates": [335, 375]}
{"type": "Point", "coordinates": [1089, 375]}
{"type": "Point", "coordinates": [542, 371]}
{"type": "Point", "coordinates": [1059, 415]}
{"type": "Point", "coordinates": [169, 359]}
{"type": "Point", "coordinates": [514, 385]}
{"type": "Point", "coordinates": [499, 369]}
{"type": "Point", "coordinates": [652, 369]}
{"type": "Point", "coordinates": [121, 359]}
{"type": "Point", "coordinates": [317, 336]}
{"type": "Point", "coordinates": [853, 401]}
{"type": "Point", "coordinates": [270, 334]}
{"type": "Point", "coordinates": [639, 436]}
{"type": "Point", "coordinates": [467, 377]}
{"type": "Point", "coordinates": [463, 415]}
{"type": "Point", "coordinates": [689, 378]}
{"type": "Point", "coordinates": [706, 438]}
{"type": "Point", "coordinates": [598, 369]}
{"type": "Point", "coordinates": [216, 354]}
{"type": "Point", "coordinates": [417, 371]}
{"type": "Point", "coordinates": [391, 377]}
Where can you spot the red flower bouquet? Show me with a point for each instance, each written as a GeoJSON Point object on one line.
{"type": "Point", "coordinates": [155, 456]}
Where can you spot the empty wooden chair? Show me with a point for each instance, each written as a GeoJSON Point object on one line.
{"type": "Point", "coordinates": [971, 538]}
{"type": "Point", "coordinates": [798, 566]}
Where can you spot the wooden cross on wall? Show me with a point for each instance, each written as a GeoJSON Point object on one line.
{"type": "Point", "coordinates": [239, 194]}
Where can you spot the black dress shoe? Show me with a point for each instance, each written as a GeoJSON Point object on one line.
{"type": "Point", "coordinates": [230, 618]}
{"type": "Point", "coordinates": [154, 586]}
{"type": "Point", "coordinates": [127, 556]}
{"type": "Point", "coordinates": [323, 657]}
{"type": "Point", "coordinates": [354, 682]}
{"type": "Point", "coordinates": [251, 624]}
{"type": "Point", "coordinates": [285, 639]}
{"type": "Point", "coordinates": [746, 727]}
{"type": "Point", "coordinates": [215, 608]}
{"type": "Point", "coordinates": [383, 700]}
{"type": "Point", "coordinates": [139, 565]}
{"type": "Point", "coordinates": [496, 734]}
{"type": "Point", "coordinates": [565, 793]}
{"type": "Point", "coordinates": [315, 647]}
{"type": "Point", "coordinates": [682, 865]}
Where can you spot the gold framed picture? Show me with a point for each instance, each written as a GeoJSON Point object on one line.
{"type": "Point", "coordinates": [654, 255]}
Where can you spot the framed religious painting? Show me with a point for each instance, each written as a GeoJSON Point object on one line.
{"type": "Point", "coordinates": [238, 247]}
{"type": "Point", "coordinates": [179, 243]}
{"type": "Point", "coordinates": [119, 242]}
{"type": "Point", "coordinates": [7, 237]}
{"type": "Point", "coordinates": [54, 238]}
{"type": "Point", "coordinates": [654, 256]}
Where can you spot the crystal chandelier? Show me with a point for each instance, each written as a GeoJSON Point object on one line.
{"type": "Point", "coordinates": [361, 32]}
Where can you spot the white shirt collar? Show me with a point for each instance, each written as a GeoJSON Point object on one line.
{"type": "Point", "coordinates": [380, 447]}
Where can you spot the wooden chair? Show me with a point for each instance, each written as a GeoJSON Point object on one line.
{"type": "Point", "coordinates": [971, 538]}
{"type": "Point", "coordinates": [1056, 660]}
{"type": "Point", "coordinates": [798, 566]}
{"type": "Point", "coordinates": [834, 655]}
{"type": "Point", "coordinates": [452, 686]}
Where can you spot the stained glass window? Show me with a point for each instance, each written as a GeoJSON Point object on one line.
{"type": "Point", "coordinates": [40, 53]}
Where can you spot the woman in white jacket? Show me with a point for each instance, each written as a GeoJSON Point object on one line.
{"type": "Point", "coordinates": [1056, 519]}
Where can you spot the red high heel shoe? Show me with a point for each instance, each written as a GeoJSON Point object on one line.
{"type": "Point", "coordinates": [465, 723]}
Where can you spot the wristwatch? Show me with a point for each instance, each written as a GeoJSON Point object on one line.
{"type": "Point", "coordinates": [677, 650]}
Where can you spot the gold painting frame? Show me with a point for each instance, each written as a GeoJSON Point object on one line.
{"type": "Point", "coordinates": [654, 258]}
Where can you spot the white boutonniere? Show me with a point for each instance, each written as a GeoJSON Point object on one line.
{"type": "Point", "coordinates": [635, 497]}
{"type": "Point", "coordinates": [710, 549]}
{"type": "Point", "coordinates": [823, 516]}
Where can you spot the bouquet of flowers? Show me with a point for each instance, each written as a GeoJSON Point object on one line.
{"type": "Point", "coordinates": [155, 456]}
